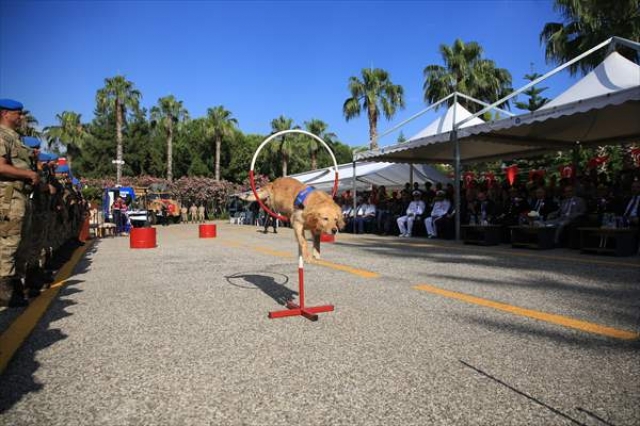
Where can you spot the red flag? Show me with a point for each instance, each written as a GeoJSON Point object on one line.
{"type": "Point", "coordinates": [512, 172]}
{"type": "Point", "coordinates": [567, 171]}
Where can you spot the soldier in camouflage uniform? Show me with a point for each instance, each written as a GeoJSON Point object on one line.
{"type": "Point", "coordinates": [16, 181]}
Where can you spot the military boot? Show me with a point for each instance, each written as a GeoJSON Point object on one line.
{"type": "Point", "coordinates": [11, 294]}
{"type": "Point", "coordinates": [33, 282]}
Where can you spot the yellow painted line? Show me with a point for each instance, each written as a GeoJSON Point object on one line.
{"type": "Point", "coordinates": [20, 329]}
{"type": "Point", "coordinates": [277, 253]}
{"type": "Point", "coordinates": [542, 316]}
{"type": "Point", "coordinates": [359, 272]}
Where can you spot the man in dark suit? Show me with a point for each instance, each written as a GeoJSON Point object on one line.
{"type": "Point", "coordinates": [484, 209]}
{"type": "Point", "coordinates": [632, 205]}
{"type": "Point", "coordinates": [542, 204]}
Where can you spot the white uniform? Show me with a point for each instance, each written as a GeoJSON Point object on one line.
{"type": "Point", "coordinates": [405, 223]}
{"type": "Point", "coordinates": [440, 208]}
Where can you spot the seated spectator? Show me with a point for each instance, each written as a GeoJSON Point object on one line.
{"type": "Point", "coordinates": [542, 204]}
{"type": "Point", "coordinates": [516, 207]}
{"type": "Point", "coordinates": [396, 206]}
{"type": "Point", "coordinates": [414, 212]}
{"type": "Point", "coordinates": [632, 206]}
{"type": "Point", "coordinates": [365, 215]}
{"type": "Point", "coordinates": [571, 208]}
{"type": "Point", "coordinates": [441, 207]}
{"type": "Point", "coordinates": [484, 209]}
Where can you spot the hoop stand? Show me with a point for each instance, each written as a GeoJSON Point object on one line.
{"type": "Point", "coordinates": [293, 309]}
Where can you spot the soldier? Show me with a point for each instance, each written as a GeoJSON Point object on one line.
{"type": "Point", "coordinates": [201, 216]}
{"type": "Point", "coordinates": [16, 181]}
{"type": "Point", "coordinates": [193, 213]}
{"type": "Point", "coordinates": [184, 214]}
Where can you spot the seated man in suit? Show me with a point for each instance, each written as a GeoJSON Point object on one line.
{"type": "Point", "coordinates": [571, 208]}
{"type": "Point", "coordinates": [441, 207]}
{"type": "Point", "coordinates": [542, 204]}
{"type": "Point", "coordinates": [484, 209]}
{"type": "Point", "coordinates": [632, 206]}
{"type": "Point", "coordinates": [414, 211]}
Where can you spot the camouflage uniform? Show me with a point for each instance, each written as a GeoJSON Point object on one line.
{"type": "Point", "coordinates": [13, 208]}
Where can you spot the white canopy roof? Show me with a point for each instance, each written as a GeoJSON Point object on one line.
{"type": "Point", "coordinates": [367, 174]}
{"type": "Point", "coordinates": [444, 123]}
{"type": "Point", "coordinates": [609, 114]}
{"type": "Point", "coordinates": [614, 74]}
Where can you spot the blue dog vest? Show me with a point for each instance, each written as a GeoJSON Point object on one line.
{"type": "Point", "coordinates": [302, 197]}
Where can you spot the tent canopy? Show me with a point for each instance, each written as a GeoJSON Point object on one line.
{"type": "Point", "coordinates": [444, 123]}
{"type": "Point", "coordinates": [602, 108]}
{"type": "Point", "coordinates": [367, 174]}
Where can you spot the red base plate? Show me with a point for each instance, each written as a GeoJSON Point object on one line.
{"type": "Point", "coordinates": [309, 312]}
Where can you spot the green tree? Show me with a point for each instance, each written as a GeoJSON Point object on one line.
{"type": "Point", "coordinates": [220, 126]}
{"type": "Point", "coordinates": [318, 128]}
{"type": "Point", "coordinates": [586, 23]}
{"type": "Point", "coordinates": [167, 115]}
{"type": "Point", "coordinates": [68, 133]}
{"type": "Point", "coordinates": [374, 93]}
{"type": "Point", "coordinates": [28, 125]}
{"type": "Point", "coordinates": [284, 147]}
{"type": "Point", "coordinates": [401, 137]}
{"type": "Point", "coordinates": [465, 71]}
{"type": "Point", "coordinates": [118, 95]}
{"type": "Point", "coordinates": [535, 100]}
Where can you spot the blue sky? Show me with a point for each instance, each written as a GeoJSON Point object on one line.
{"type": "Point", "coordinates": [259, 59]}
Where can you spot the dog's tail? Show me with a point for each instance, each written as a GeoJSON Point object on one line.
{"type": "Point", "coordinates": [263, 193]}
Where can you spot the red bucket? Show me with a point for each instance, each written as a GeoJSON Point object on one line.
{"type": "Point", "coordinates": [327, 238]}
{"type": "Point", "coordinates": [142, 238]}
{"type": "Point", "coordinates": [207, 230]}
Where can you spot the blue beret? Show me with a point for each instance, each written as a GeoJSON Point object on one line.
{"type": "Point", "coordinates": [75, 181]}
{"type": "Point", "coordinates": [62, 169]}
{"type": "Point", "coordinates": [10, 105]}
{"type": "Point", "coordinates": [45, 156]}
{"type": "Point", "coordinates": [32, 143]}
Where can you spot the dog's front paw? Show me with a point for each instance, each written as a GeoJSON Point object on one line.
{"type": "Point", "coordinates": [316, 254]}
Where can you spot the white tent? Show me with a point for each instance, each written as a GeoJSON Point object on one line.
{"type": "Point", "coordinates": [367, 174]}
{"type": "Point", "coordinates": [602, 108]}
{"type": "Point", "coordinates": [444, 123]}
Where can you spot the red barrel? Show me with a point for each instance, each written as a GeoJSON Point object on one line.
{"type": "Point", "coordinates": [142, 238]}
{"type": "Point", "coordinates": [207, 230]}
{"type": "Point", "coordinates": [327, 238]}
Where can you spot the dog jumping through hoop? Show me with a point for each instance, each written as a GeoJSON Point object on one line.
{"type": "Point", "coordinates": [305, 207]}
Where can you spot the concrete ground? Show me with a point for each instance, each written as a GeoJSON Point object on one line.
{"type": "Point", "coordinates": [424, 332]}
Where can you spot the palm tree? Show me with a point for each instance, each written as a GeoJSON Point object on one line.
{"type": "Point", "coordinates": [284, 150]}
{"type": "Point", "coordinates": [28, 125]}
{"type": "Point", "coordinates": [467, 72]}
{"type": "Point", "coordinates": [118, 93]}
{"type": "Point", "coordinates": [374, 93]}
{"type": "Point", "coordinates": [587, 23]}
{"type": "Point", "coordinates": [220, 125]}
{"type": "Point", "coordinates": [318, 128]}
{"type": "Point", "coordinates": [69, 132]}
{"type": "Point", "coordinates": [168, 113]}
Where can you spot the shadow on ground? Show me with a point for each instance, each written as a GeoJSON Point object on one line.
{"type": "Point", "coordinates": [267, 283]}
{"type": "Point", "coordinates": [19, 378]}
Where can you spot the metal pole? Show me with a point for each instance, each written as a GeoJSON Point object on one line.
{"type": "Point", "coordinates": [354, 193]}
{"type": "Point", "coordinates": [456, 155]}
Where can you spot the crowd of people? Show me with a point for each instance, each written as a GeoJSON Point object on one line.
{"type": "Point", "coordinates": [41, 211]}
{"type": "Point", "coordinates": [591, 200]}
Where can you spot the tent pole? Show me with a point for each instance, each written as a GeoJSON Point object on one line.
{"type": "Point", "coordinates": [411, 174]}
{"type": "Point", "coordinates": [456, 155]}
{"type": "Point", "coordinates": [354, 194]}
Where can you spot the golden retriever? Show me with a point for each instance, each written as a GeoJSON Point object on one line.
{"type": "Point", "coordinates": [319, 215]}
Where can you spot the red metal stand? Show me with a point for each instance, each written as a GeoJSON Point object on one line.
{"type": "Point", "coordinates": [302, 310]}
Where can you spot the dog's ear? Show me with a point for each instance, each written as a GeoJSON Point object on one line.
{"type": "Point", "coordinates": [311, 221]}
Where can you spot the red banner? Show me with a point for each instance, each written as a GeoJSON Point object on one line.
{"type": "Point", "coordinates": [468, 177]}
{"type": "Point", "coordinates": [597, 161]}
{"type": "Point", "coordinates": [635, 154]}
{"type": "Point", "coordinates": [512, 172]}
{"type": "Point", "coordinates": [489, 177]}
{"type": "Point", "coordinates": [536, 174]}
